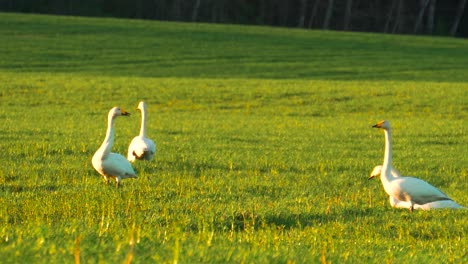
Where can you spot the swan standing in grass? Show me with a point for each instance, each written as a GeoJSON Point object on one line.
{"type": "Point", "coordinates": [402, 204]}
{"type": "Point", "coordinates": [107, 163]}
{"type": "Point", "coordinates": [141, 147]}
{"type": "Point", "coordinates": [406, 189]}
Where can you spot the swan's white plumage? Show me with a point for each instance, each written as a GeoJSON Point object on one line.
{"type": "Point", "coordinates": [403, 204]}
{"type": "Point", "coordinates": [406, 189]}
{"type": "Point", "coordinates": [107, 163]}
{"type": "Point", "coordinates": [378, 169]}
{"type": "Point", "coordinates": [141, 147]}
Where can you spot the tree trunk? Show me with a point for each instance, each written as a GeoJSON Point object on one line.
{"type": "Point", "coordinates": [419, 20]}
{"type": "Point", "coordinates": [314, 13]}
{"type": "Point", "coordinates": [196, 10]}
{"type": "Point", "coordinates": [347, 19]}
{"type": "Point", "coordinates": [326, 22]}
{"type": "Point", "coordinates": [430, 17]}
{"type": "Point", "coordinates": [461, 7]}
{"type": "Point", "coordinates": [302, 11]}
{"type": "Point", "coordinates": [399, 21]}
{"type": "Point", "coordinates": [390, 15]}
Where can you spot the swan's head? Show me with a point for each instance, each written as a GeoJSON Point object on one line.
{"type": "Point", "coordinates": [375, 172]}
{"type": "Point", "coordinates": [384, 124]}
{"type": "Point", "coordinates": [142, 106]}
{"type": "Point", "coordinates": [117, 111]}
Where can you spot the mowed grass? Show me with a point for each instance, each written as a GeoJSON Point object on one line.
{"type": "Point", "coordinates": [264, 146]}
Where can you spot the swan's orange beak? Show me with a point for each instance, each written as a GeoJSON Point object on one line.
{"type": "Point", "coordinates": [124, 113]}
{"type": "Point", "coordinates": [378, 125]}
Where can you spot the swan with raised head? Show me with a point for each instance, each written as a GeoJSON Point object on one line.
{"type": "Point", "coordinates": [141, 147]}
{"type": "Point", "coordinates": [402, 204]}
{"type": "Point", "coordinates": [406, 189]}
{"type": "Point", "coordinates": [107, 163]}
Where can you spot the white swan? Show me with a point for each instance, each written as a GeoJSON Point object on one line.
{"type": "Point", "coordinates": [141, 147]}
{"type": "Point", "coordinates": [402, 204]}
{"type": "Point", "coordinates": [405, 189]}
{"type": "Point", "coordinates": [107, 163]}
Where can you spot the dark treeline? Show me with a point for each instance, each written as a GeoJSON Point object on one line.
{"type": "Point", "coordinates": [428, 17]}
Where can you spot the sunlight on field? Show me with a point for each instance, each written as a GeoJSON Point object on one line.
{"type": "Point", "coordinates": [249, 169]}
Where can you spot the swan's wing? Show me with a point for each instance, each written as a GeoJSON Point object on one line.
{"type": "Point", "coordinates": [428, 206]}
{"type": "Point", "coordinates": [417, 190]}
{"type": "Point", "coordinates": [134, 144]}
{"type": "Point", "coordinates": [141, 148]}
{"type": "Point", "coordinates": [439, 205]}
{"type": "Point", "coordinates": [117, 165]}
{"type": "Point", "coordinates": [137, 148]}
{"type": "Point", "coordinates": [151, 145]}
{"type": "Point", "coordinates": [149, 150]}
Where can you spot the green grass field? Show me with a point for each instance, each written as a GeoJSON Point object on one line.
{"type": "Point", "coordinates": [264, 143]}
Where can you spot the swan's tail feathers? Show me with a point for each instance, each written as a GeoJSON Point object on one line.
{"type": "Point", "coordinates": [445, 204]}
{"type": "Point", "coordinates": [457, 206]}
{"type": "Point", "coordinates": [131, 175]}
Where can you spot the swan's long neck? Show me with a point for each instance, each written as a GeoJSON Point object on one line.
{"type": "Point", "coordinates": [386, 174]}
{"type": "Point", "coordinates": [109, 139]}
{"type": "Point", "coordinates": [143, 122]}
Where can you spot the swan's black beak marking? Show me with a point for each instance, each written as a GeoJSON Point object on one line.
{"type": "Point", "coordinates": [379, 124]}
{"type": "Point", "coordinates": [125, 113]}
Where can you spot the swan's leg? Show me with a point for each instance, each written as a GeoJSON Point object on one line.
{"type": "Point", "coordinates": [117, 181]}
{"type": "Point", "coordinates": [106, 179]}
{"type": "Point", "coordinates": [411, 207]}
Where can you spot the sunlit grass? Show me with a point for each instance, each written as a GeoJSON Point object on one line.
{"type": "Point", "coordinates": [249, 169]}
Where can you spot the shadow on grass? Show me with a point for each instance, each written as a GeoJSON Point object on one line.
{"type": "Point", "coordinates": [21, 189]}
{"type": "Point", "coordinates": [246, 220]}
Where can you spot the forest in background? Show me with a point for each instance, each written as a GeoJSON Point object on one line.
{"type": "Point", "coordinates": [423, 17]}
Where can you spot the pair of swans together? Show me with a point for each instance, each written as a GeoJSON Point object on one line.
{"type": "Point", "coordinates": [407, 192]}
{"type": "Point", "coordinates": [114, 165]}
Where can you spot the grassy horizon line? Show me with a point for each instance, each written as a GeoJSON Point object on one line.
{"type": "Point", "coordinates": [142, 48]}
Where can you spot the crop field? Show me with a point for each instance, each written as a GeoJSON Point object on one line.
{"type": "Point", "coordinates": [264, 143]}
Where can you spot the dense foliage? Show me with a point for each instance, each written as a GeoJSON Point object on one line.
{"type": "Point", "coordinates": [389, 16]}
